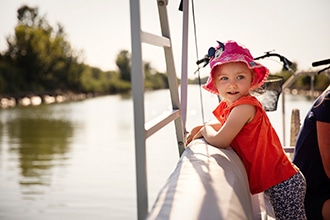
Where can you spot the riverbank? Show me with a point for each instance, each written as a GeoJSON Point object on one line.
{"type": "Point", "coordinates": [38, 99]}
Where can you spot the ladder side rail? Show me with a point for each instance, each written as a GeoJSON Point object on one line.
{"type": "Point", "coordinates": [137, 82]}
{"type": "Point", "coordinates": [172, 77]}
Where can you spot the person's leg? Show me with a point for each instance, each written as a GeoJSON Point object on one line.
{"type": "Point", "coordinates": [288, 197]}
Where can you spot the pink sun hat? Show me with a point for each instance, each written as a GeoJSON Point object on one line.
{"type": "Point", "coordinates": [232, 52]}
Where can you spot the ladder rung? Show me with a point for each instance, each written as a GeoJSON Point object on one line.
{"type": "Point", "coordinates": [155, 39]}
{"type": "Point", "coordinates": [160, 122]}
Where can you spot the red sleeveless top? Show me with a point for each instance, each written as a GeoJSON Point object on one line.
{"type": "Point", "coordinates": [259, 147]}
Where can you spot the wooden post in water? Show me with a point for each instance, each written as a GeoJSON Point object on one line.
{"type": "Point", "coordinates": [295, 126]}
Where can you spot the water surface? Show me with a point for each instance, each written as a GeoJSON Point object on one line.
{"type": "Point", "coordinates": [76, 160]}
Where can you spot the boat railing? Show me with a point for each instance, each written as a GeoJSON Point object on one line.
{"type": "Point", "coordinates": [294, 75]}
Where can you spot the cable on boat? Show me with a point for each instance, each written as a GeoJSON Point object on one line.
{"type": "Point", "coordinates": [197, 71]}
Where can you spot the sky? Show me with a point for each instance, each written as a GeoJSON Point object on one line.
{"type": "Point", "coordinates": [297, 29]}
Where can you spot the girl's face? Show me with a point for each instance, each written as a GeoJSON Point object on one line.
{"type": "Point", "coordinates": [233, 80]}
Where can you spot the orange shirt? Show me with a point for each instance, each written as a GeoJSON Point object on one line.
{"type": "Point", "coordinates": [259, 147]}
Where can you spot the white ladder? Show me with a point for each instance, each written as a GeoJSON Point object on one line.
{"type": "Point", "coordinates": [142, 129]}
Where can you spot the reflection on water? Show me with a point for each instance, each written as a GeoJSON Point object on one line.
{"type": "Point", "coordinates": [39, 141]}
{"type": "Point", "coordinates": [66, 161]}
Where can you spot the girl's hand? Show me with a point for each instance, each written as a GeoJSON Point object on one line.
{"type": "Point", "coordinates": [193, 133]}
{"type": "Point", "coordinates": [199, 134]}
{"type": "Point", "coordinates": [196, 132]}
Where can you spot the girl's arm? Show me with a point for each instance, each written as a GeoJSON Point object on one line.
{"type": "Point", "coordinates": [216, 126]}
{"type": "Point", "coordinates": [323, 134]}
{"type": "Point", "coordinates": [238, 117]}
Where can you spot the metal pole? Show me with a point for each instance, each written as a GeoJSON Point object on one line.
{"type": "Point", "coordinates": [283, 117]}
{"type": "Point", "coordinates": [137, 82]}
{"type": "Point", "coordinates": [184, 63]}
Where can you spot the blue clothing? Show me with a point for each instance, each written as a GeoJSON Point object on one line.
{"type": "Point", "coordinates": [307, 157]}
{"type": "Point", "coordinates": [287, 198]}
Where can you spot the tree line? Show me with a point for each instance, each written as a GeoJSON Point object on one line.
{"type": "Point", "coordinates": [39, 59]}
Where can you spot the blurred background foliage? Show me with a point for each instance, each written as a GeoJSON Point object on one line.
{"type": "Point", "coordinates": [40, 60]}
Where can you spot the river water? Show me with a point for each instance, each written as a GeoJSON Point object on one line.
{"type": "Point", "coordinates": [77, 160]}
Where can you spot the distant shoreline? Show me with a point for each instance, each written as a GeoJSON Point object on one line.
{"type": "Point", "coordinates": [309, 93]}
{"type": "Point", "coordinates": [38, 99]}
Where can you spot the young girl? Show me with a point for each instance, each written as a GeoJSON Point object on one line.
{"type": "Point", "coordinates": [245, 127]}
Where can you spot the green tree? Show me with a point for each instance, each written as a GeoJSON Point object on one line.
{"type": "Point", "coordinates": [95, 80]}
{"type": "Point", "coordinates": [44, 57]}
{"type": "Point", "coordinates": [123, 63]}
{"type": "Point", "coordinates": [154, 79]}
